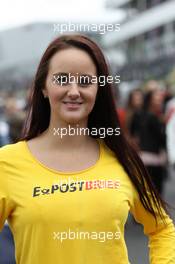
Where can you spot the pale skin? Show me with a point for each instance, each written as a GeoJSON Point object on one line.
{"type": "Point", "coordinates": [69, 153]}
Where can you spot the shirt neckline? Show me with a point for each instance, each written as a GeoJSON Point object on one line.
{"type": "Point", "coordinates": [34, 159]}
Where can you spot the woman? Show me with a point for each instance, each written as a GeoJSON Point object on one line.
{"type": "Point", "coordinates": [148, 128]}
{"type": "Point", "coordinates": [67, 197]}
{"type": "Point", "coordinates": [134, 104]}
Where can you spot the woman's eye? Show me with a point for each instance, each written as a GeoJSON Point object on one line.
{"type": "Point", "coordinates": [85, 81]}
{"type": "Point", "coordinates": [64, 79]}
{"type": "Point", "coordinates": [60, 80]}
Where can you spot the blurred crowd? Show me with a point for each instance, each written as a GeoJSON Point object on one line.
{"type": "Point", "coordinates": [12, 114]}
{"type": "Point", "coordinates": [148, 120]}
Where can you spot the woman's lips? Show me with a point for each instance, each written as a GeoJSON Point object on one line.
{"type": "Point", "coordinates": [72, 105]}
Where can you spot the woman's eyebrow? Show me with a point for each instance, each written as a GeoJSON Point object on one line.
{"type": "Point", "coordinates": [67, 73]}
{"type": "Point", "coordinates": [61, 73]}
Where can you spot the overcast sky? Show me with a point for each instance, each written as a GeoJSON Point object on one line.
{"type": "Point", "coordinates": [18, 12]}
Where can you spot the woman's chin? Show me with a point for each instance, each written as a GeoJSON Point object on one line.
{"type": "Point", "coordinates": [73, 120]}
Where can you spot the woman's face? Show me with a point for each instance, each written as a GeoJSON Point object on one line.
{"type": "Point", "coordinates": [157, 100]}
{"type": "Point", "coordinates": [71, 98]}
{"type": "Point", "coordinates": [137, 99]}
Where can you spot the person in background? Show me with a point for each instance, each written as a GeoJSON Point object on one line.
{"type": "Point", "coordinates": [167, 96]}
{"type": "Point", "coordinates": [4, 126]}
{"type": "Point", "coordinates": [15, 115]}
{"type": "Point", "coordinates": [149, 130]}
{"type": "Point", "coordinates": [150, 86]}
{"type": "Point", "coordinates": [134, 105]}
{"type": "Point", "coordinates": [170, 131]}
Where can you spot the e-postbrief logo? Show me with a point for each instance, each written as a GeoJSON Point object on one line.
{"type": "Point", "coordinates": [76, 186]}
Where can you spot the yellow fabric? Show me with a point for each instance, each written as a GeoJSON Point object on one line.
{"type": "Point", "coordinates": [41, 204]}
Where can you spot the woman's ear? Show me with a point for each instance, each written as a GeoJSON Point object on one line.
{"type": "Point", "coordinates": [44, 93]}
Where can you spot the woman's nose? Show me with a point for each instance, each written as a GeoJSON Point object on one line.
{"type": "Point", "coordinates": [74, 90]}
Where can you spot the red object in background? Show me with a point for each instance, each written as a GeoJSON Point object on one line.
{"type": "Point", "coordinates": [122, 116]}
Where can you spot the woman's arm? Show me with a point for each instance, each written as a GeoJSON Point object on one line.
{"type": "Point", "coordinates": [161, 235]}
{"type": "Point", "coordinates": [5, 203]}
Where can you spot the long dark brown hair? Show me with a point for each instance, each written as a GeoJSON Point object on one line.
{"type": "Point", "coordinates": [104, 115]}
